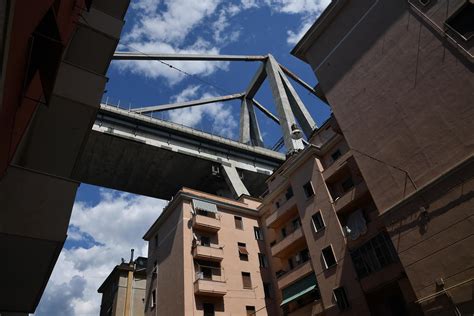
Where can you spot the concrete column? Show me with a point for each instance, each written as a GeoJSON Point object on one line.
{"type": "Point", "coordinates": [128, 294]}
{"type": "Point", "coordinates": [283, 105]}
{"type": "Point", "coordinates": [255, 134]}
{"type": "Point", "coordinates": [299, 110]}
{"type": "Point", "coordinates": [233, 180]}
{"type": "Point", "coordinates": [249, 129]}
{"type": "Point", "coordinates": [244, 122]}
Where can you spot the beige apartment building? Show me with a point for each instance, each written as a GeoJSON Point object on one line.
{"type": "Point", "coordinates": [206, 256]}
{"type": "Point", "coordinates": [123, 291]}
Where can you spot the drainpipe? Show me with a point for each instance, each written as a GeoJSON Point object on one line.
{"type": "Point", "coordinates": [128, 295]}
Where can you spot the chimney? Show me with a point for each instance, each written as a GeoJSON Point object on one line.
{"type": "Point", "coordinates": [131, 255]}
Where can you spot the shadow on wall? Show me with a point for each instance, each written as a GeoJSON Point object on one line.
{"type": "Point", "coordinates": [419, 209]}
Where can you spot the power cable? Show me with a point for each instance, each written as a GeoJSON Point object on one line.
{"type": "Point", "coordinates": [195, 77]}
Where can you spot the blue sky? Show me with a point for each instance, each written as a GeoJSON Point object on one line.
{"type": "Point", "coordinates": [105, 224]}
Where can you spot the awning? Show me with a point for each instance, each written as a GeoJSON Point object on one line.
{"type": "Point", "coordinates": [243, 250]}
{"type": "Point", "coordinates": [299, 289]}
{"type": "Point", "coordinates": [204, 206]}
{"type": "Point", "coordinates": [294, 297]}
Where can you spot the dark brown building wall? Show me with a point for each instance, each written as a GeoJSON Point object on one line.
{"type": "Point", "coordinates": [436, 244]}
{"type": "Point", "coordinates": [401, 93]}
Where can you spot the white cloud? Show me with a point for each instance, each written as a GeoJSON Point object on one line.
{"type": "Point", "coordinates": [294, 37]}
{"type": "Point", "coordinates": [117, 224]}
{"type": "Point", "coordinates": [309, 10]}
{"type": "Point", "coordinates": [167, 28]}
{"type": "Point", "coordinates": [222, 122]}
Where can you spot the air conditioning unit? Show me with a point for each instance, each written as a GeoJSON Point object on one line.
{"type": "Point", "coordinates": [215, 170]}
{"type": "Point", "coordinates": [347, 230]}
{"type": "Point", "coordinates": [199, 275]}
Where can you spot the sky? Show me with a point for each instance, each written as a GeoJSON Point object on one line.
{"type": "Point", "coordinates": [105, 224]}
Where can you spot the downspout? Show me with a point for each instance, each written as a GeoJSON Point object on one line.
{"type": "Point", "coordinates": [128, 295]}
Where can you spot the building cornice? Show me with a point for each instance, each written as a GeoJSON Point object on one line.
{"type": "Point", "coordinates": [185, 194]}
{"type": "Point", "coordinates": [317, 29]}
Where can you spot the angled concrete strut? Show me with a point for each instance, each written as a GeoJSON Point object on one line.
{"type": "Point", "coordinates": [285, 114]}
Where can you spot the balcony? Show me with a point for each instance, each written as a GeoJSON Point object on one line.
{"type": "Point", "coordinates": [213, 253]}
{"type": "Point", "coordinates": [334, 171]}
{"type": "Point", "coordinates": [206, 223]}
{"type": "Point", "coordinates": [288, 244]}
{"type": "Point", "coordinates": [295, 274]}
{"type": "Point", "coordinates": [282, 214]}
{"type": "Point", "coordinates": [210, 285]}
{"type": "Point", "coordinates": [350, 197]}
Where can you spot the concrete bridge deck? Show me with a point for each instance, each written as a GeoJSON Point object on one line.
{"type": "Point", "coordinates": [143, 155]}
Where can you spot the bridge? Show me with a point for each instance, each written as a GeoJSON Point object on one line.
{"type": "Point", "coordinates": [131, 151]}
{"type": "Point", "coordinates": [136, 153]}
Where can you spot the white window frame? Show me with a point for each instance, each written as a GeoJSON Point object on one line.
{"type": "Point", "coordinates": [262, 260]}
{"type": "Point", "coordinates": [345, 295]}
{"type": "Point", "coordinates": [153, 299]}
{"type": "Point", "coordinates": [324, 259]}
{"type": "Point", "coordinates": [260, 233]}
{"type": "Point", "coordinates": [312, 188]}
{"type": "Point", "coordinates": [322, 220]}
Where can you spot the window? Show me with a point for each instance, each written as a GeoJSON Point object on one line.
{"type": "Point", "coordinates": [156, 240]}
{"type": "Point", "coordinates": [347, 184]}
{"type": "Point", "coordinates": [335, 155]}
{"type": "Point", "coordinates": [273, 243]}
{"type": "Point", "coordinates": [462, 21]}
{"type": "Point", "coordinates": [374, 255]}
{"type": "Point", "coordinates": [296, 223]}
{"type": "Point", "coordinates": [277, 204]}
{"type": "Point", "coordinates": [267, 289]}
{"type": "Point", "coordinates": [289, 193]}
{"type": "Point", "coordinates": [258, 233]}
{"type": "Point", "coordinates": [45, 38]}
{"type": "Point", "coordinates": [328, 256]}
{"type": "Point", "coordinates": [246, 280]}
{"type": "Point", "coordinates": [239, 224]}
{"type": "Point", "coordinates": [341, 298]}
{"type": "Point", "coordinates": [243, 253]}
{"type": "Point", "coordinates": [205, 241]}
{"type": "Point", "coordinates": [208, 309]}
{"type": "Point", "coordinates": [283, 232]}
{"type": "Point", "coordinates": [250, 310]}
{"type": "Point", "coordinates": [290, 263]}
{"type": "Point", "coordinates": [318, 223]}
{"type": "Point", "coordinates": [263, 260]}
{"type": "Point", "coordinates": [153, 299]}
{"type": "Point", "coordinates": [302, 256]}
{"type": "Point", "coordinates": [308, 189]}
{"type": "Point", "coordinates": [206, 273]}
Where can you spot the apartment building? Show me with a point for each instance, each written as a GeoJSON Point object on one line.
{"type": "Point", "coordinates": [330, 251]}
{"type": "Point", "coordinates": [399, 78]}
{"type": "Point", "coordinates": [206, 256]}
{"type": "Point", "coordinates": [123, 291]}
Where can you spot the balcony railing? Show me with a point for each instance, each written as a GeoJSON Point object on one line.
{"type": "Point", "coordinates": [281, 248]}
{"type": "Point", "coordinates": [351, 196]}
{"type": "Point", "coordinates": [335, 169]}
{"type": "Point", "coordinates": [210, 281]}
{"type": "Point", "coordinates": [208, 252]}
{"type": "Point", "coordinates": [298, 272]}
{"type": "Point", "coordinates": [207, 223]}
{"type": "Point", "coordinates": [282, 214]}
